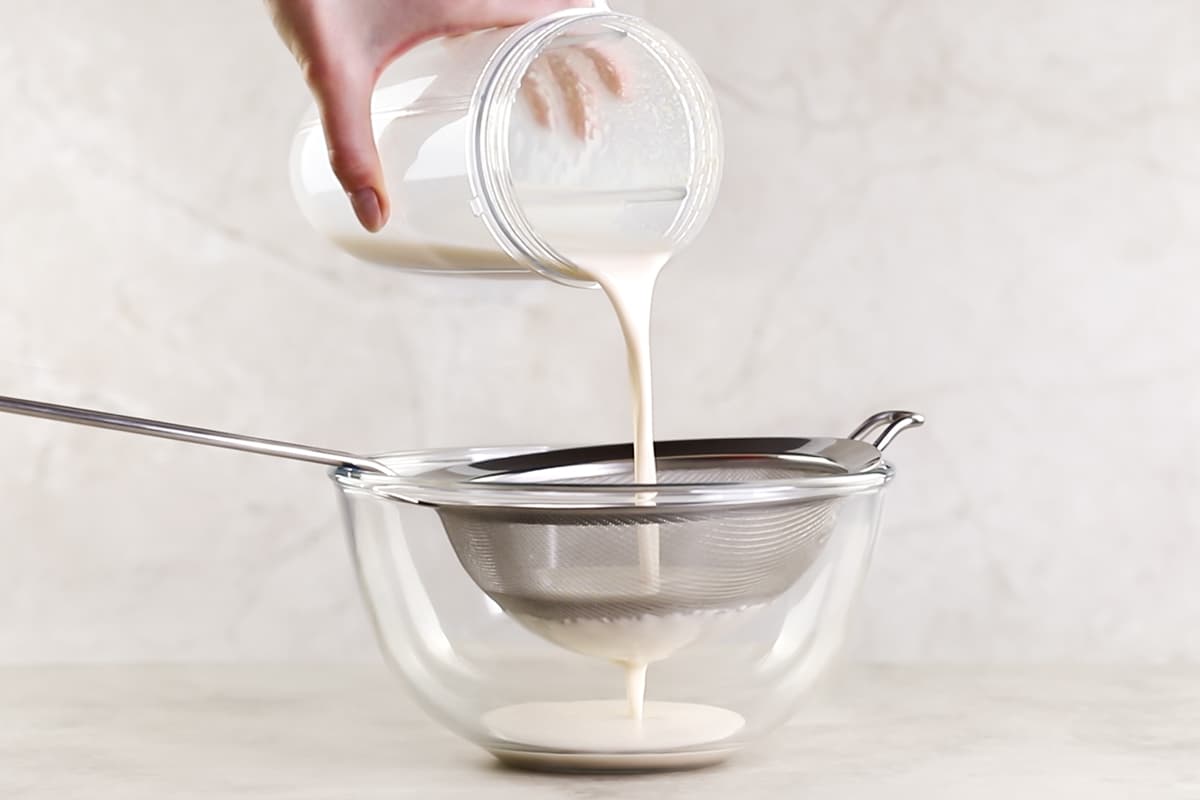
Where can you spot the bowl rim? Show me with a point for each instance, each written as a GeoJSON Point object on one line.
{"type": "Point", "coordinates": [442, 478]}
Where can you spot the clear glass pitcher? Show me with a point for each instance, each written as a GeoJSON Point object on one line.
{"type": "Point", "coordinates": [516, 151]}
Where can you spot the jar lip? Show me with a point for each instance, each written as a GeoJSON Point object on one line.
{"type": "Point", "coordinates": [488, 169]}
{"type": "Point", "coordinates": [490, 113]}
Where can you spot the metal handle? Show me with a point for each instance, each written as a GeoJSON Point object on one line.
{"type": "Point", "coordinates": [891, 422]}
{"type": "Point", "coordinates": [186, 433]}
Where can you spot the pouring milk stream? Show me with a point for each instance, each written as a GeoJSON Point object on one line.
{"type": "Point", "coordinates": [608, 209]}
{"type": "Point", "coordinates": [628, 279]}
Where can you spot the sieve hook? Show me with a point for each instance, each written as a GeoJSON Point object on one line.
{"type": "Point", "coordinates": [186, 433]}
{"type": "Point", "coordinates": [889, 424]}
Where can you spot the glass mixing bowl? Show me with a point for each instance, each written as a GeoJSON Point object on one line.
{"type": "Point", "coordinates": [464, 658]}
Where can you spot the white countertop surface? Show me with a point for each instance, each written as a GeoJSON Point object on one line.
{"type": "Point", "coordinates": [349, 732]}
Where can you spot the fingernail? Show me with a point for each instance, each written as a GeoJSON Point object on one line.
{"type": "Point", "coordinates": [366, 208]}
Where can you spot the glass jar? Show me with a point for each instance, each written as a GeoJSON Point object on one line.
{"type": "Point", "coordinates": [516, 151]}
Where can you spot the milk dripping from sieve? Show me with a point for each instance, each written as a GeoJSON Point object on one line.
{"type": "Point", "coordinates": [480, 187]}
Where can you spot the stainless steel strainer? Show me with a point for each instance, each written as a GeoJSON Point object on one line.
{"type": "Point", "coordinates": [603, 562]}
{"type": "Point", "coordinates": [605, 548]}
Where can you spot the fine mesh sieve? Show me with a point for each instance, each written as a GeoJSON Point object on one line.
{"type": "Point", "coordinates": [564, 535]}
{"type": "Point", "coordinates": [560, 564]}
{"type": "Point", "coordinates": [606, 562]}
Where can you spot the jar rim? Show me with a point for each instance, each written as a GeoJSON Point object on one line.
{"type": "Point", "coordinates": [488, 168]}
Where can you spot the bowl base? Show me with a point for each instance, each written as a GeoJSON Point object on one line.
{"type": "Point", "coordinates": [603, 736]}
{"type": "Point", "coordinates": [611, 762]}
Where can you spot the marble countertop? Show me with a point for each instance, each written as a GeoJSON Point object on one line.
{"type": "Point", "coordinates": [349, 732]}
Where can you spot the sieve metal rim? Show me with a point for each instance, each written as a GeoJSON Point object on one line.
{"type": "Point", "coordinates": [435, 478]}
{"type": "Point", "coordinates": [458, 477]}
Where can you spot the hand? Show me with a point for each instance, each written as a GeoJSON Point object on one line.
{"type": "Point", "coordinates": [563, 67]}
{"type": "Point", "coordinates": [342, 46]}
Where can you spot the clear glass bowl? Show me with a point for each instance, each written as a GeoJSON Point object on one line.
{"type": "Point", "coordinates": [463, 658]}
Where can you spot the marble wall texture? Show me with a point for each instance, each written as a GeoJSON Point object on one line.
{"type": "Point", "coordinates": [986, 211]}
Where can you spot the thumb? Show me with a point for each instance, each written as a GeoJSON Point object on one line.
{"type": "Point", "coordinates": [344, 100]}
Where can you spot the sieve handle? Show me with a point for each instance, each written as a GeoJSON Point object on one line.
{"type": "Point", "coordinates": [886, 426]}
{"type": "Point", "coordinates": [186, 433]}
